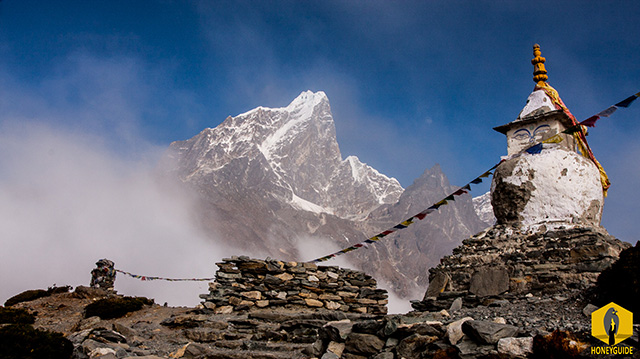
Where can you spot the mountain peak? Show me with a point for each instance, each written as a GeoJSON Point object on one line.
{"type": "Point", "coordinates": [309, 97]}
{"type": "Point", "coordinates": [303, 104]}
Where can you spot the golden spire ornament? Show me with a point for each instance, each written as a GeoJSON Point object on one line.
{"type": "Point", "coordinates": [539, 72]}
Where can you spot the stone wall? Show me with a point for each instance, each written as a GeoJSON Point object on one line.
{"type": "Point", "coordinates": [502, 259]}
{"type": "Point", "coordinates": [243, 283]}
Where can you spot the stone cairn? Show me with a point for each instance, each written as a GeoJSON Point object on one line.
{"type": "Point", "coordinates": [104, 275]}
{"type": "Point", "coordinates": [243, 284]}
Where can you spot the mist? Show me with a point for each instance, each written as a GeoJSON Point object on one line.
{"type": "Point", "coordinates": [67, 200]}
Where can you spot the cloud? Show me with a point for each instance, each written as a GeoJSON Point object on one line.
{"type": "Point", "coordinates": [77, 180]}
{"type": "Point", "coordinates": [66, 201]}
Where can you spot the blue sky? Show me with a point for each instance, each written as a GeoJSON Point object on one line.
{"type": "Point", "coordinates": [411, 83]}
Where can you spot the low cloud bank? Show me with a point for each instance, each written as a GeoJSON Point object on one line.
{"type": "Point", "coordinates": [67, 200]}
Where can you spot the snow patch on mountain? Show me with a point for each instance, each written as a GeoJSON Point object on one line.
{"type": "Point", "coordinates": [484, 209]}
{"type": "Point", "coordinates": [303, 204]}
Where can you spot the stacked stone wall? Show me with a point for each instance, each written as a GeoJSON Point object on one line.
{"type": "Point", "coordinates": [502, 259]}
{"type": "Point", "coordinates": [243, 283]}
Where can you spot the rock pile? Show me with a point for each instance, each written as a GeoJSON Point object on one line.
{"type": "Point", "coordinates": [504, 259]}
{"type": "Point", "coordinates": [243, 283]}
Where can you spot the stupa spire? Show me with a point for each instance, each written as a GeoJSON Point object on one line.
{"type": "Point", "coordinates": [539, 72]}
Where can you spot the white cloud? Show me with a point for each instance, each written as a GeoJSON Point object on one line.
{"type": "Point", "coordinates": [66, 202]}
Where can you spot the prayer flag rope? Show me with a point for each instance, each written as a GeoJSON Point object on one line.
{"type": "Point", "coordinates": [409, 221]}
{"type": "Point", "coordinates": [580, 136]}
{"type": "Point", "coordinates": [591, 121]}
{"type": "Point", "coordinates": [576, 130]}
{"type": "Point", "coordinates": [146, 277]}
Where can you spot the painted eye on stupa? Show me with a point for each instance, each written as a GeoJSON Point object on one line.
{"type": "Point", "coordinates": [522, 135]}
{"type": "Point", "coordinates": [541, 130]}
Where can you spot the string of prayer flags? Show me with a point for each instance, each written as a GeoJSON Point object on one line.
{"type": "Point", "coordinates": [406, 223]}
{"type": "Point", "coordinates": [576, 130]}
{"type": "Point", "coordinates": [591, 121]}
{"type": "Point", "coordinates": [146, 278]}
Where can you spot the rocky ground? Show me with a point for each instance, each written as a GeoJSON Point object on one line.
{"type": "Point", "coordinates": [543, 321]}
{"type": "Point", "coordinates": [508, 327]}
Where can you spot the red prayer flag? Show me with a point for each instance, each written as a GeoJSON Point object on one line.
{"type": "Point", "coordinates": [591, 121]}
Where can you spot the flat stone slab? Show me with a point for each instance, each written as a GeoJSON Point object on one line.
{"type": "Point", "coordinates": [489, 281]}
{"type": "Point", "coordinates": [488, 332]}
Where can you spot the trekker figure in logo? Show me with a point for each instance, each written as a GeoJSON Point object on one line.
{"type": "Point", "coordinates": [611, 324]}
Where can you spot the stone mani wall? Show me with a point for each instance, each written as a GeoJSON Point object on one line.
{"type": "Point", "coordinates": [502, 259]}
{"type": "Point", "coordinates": [243, 283]}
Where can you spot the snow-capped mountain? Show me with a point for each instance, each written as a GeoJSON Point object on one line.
{"type": "Point", "coordinates": [272, 182]}
{"type": "Point", "coordinates": [297, 149]}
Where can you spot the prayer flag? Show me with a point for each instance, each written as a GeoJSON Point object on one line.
{"type": "Point", "coordinates": [477, 180]}
{"type": "Point", "coordinates": [591, 121]}
{"type": "Point", "coordinates": [535, 149]}
{"type": "Point", "coordinates": [608, 112]}
{"type": "Point", "coordinates": [459, 192]}
{"type": "Point", "coordinates": [407, 222]}
{"type": "Point", "coordinates": [626, 102]}
{"type": "Point", "coordinates": [553, 139]}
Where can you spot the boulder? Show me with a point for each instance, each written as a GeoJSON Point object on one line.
{"type": "Point", "coordinates": [365, 344]}
{"type": "Point", "coordinates": [516, 346]}
{"type": "Point", "coordinates": [456, 305]}
{"type": "Point", "coordinates": [454, 330]}
{"type": "Point", "coordinates": [369, 326]}
{"type": "Point", "coordinates": [437, 284]}
{"type": "Point", "coordinates": [413, 345]}
{"type": "Point", "coordinates": [488, 332]}
{"type": "Point", "coordinates": [343, 327]}
{"type": "Point", "coordinates": [489, 281]}
{"type": "Point", "coordinates": [336, 348]}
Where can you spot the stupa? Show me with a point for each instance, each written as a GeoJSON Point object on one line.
{"type": "Point", "coordinates": [547, 196]}
{"type": "Point", "coordinates": [550, 183]}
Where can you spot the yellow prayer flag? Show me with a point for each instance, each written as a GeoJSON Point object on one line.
{"type": "Point", "coordinates": [553, 139]}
